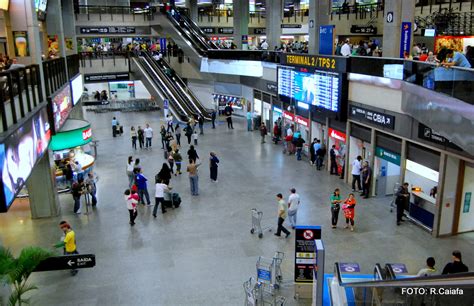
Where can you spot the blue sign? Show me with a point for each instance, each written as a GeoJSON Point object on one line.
{"type": "Point", "coordinates": [326, 39]}
{"type": "Point", "coordinates": [405, 39]}
{"type": "Point", "coordinates": [165, 104]}
{"type": "Point", "coordinates": [163, 45]}
{"type": "Point", "coordinates": [399, 268]}
{"type": "Point", "coordinates": [264, 275]}
{"type": "Point", "coordinates": [349, 267]}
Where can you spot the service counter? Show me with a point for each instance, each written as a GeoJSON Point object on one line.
{"type": "Point", "coordinates": [422, 209]}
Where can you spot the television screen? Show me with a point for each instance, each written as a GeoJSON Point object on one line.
{"type": "Point", "coordinates": [430, 32]}
{"type": "Point", "coordinates": [62, 105]}
{"type": "Point", "coordinates": [19, 153]}
{"type": "Point", "coordinates": [321, 89]}
{"type": "Point", "coordinates": [77, 86]}
{"type": "Point", "coordinates": [40, 6]}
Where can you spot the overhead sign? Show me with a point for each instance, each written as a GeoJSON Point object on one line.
{"type": "Point", "coordinates": [72, 138]}
{"type": "Point", "coordinates": [305, 248]}
{"type": "Point", "coordinates": [331, 63]}
{"type": "Point", "coordinates": [428, 134]}
{"type": "Point", "coordinates": [363, 29]}
{"type": "Point", "coordinates": [349, 267]}
{"type": "Point", "coordinates": [289, 116]}
{"type": "Point", "coordinates": [272, 87]}
{"type": "Point", "coordinates": [326, 39]}
{"type": "Point", "coordinates": [394, 158]}
{"type": "Point", "coordinates": [337, 135]}
{"type": "Point", "coordinates": [107, 30]}
{"type": "Point", "coordinates": [225, 30]}
{"type": "Point", "coordinates": [291, 26]}
{"type": "Point", "coordinates": [66, 263]}
{"type": "Point", "coordinates": [303, 121]}
{"type": "Point", "coordinates": [389, 17]}
{"type": "Point", "coordinates": [373, 117]}
{"type": "Point", "coordinates": [105, 77]}
{"type": "Point", "coordinates": [405, 41]}
{"type": "Point", "coordinates": [209, 30]}
{"type": "Point", "coordinates": [259, 31]}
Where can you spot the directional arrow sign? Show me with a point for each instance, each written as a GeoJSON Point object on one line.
{"type": "Point", "coordinates": [67, 262]}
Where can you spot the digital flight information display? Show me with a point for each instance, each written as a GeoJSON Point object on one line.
{"type": "Point", "coordinates": [321, 88]}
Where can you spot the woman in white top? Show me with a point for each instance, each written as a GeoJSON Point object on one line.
{"type": "Point", "coordinates": [131, 199]}
{"type": "Point", "coordinates": [130, 166]}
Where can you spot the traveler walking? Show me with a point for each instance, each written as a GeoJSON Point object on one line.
{"type": "Point", "coordinates": [188, 132]}
{"type": "Point", "coordinates": [77, 191]}
{"type": "Point", "coordinates": [402, 198]}
{"type": "Point", "coordinates": [177, 133]}
{"type": "Point", "coordinates": [213, 161]}
{"type": "Point", "coordinates": [282, 213]}
{"type": "Point", "coordinates": [178, 159]}
{"type": "Point", "coordinates": [356, 167]}
{"type": "Point", "coordinates": [213, 118]}
{"type": "Point", "coordinates": [133, 136]}
{"type": "Point", "coordinates": [171, 161]}
{"type": "Point", "coordinates": [263, 132]}
{"type": "Point", "coordinates": [366, 177]}
{"type": "Point", "coordinates": [429, 270]}
{"type": "Point", "coordinates": [201, 124]}
{"type": "Point", "coordinates": [192, 169]}
{"type": "Point", "coordinates": [333, 156]}
{"type": "Point", "coordinates": [335, 207]}
{"type": "Point", "coordinates": [148, 131]}
{"type": "Point", "coordinates": [164, 175]}
{"type": "Point", "coordinates": [91, 187]}
{"type": "Point", "coordinates": [131, 198]}
{"type": "Point", "coordinates": [160, 189]}
{"type": "Point", "coordinates": [195, 138]}
{"type": "Point", "coordinates": [192, 154]}
{"type": "Point", "coordinates": [349, 211]}
{"type": "Point", "coordinates": [141, 137]}
{"type": "Point", "coordinates": [141, 182]}
{"type": "Point", "coordinates": [276, 133]}
{"type": "Point", "coordinates": [68, 242]}
{"type": "Point", "coordinates": [249, 120]}
{"type": "Point", "coordinates": [320, 153]}
{"type": "Point", "coordinates": [312, 152]}
{"type": "Point", "coordinates": [299, 142]}
{"type": "Point", "coordinates": [228, 113]}
{"type": "Point", "coordinates": [293, 205]}
{"type": "Point", "coordinates": [115, 125]}
{"type": "Point", "coordinates": [169, 123]}
{"type": "Point", "coordinates": [163, 137]}
{"type": "Point", "coordinates": [457, 266]}
{"type": "Point", "coordinates": [130, 174]}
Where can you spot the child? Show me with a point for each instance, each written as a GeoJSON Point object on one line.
{"type": "Point", "coordinates": [195, 137]}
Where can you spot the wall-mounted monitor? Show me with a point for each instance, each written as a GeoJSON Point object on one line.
{"type": "Point", "coordinates": [19, 152]}
{"type": "Point", "coordinates": [61, 105]}
{"type": "Point", "coordinates": [40, 6]}
{"type": "Point", "coordinates": [77, 86]}
{"type": "Point", "coordinates": [430, 32]}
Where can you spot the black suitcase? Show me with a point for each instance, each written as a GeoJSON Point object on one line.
{"type": "Point", "coordinates": [176, 200]}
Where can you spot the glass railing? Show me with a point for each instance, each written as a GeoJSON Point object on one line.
{"type": "Point", "coordinates": [359, 11]}
{"type": "Point", "coordinates": [89, 59]}
{"type": "Point", "coordinates": [55, 74]}
{"type": "Point", "coordinates": [20, 93]}
{"type": "Point", "coordinates": [263, 56]}
{"type": "Point", "coordinates": [72, 65]}
{"type": "Point", "coordinates": [114, 10]}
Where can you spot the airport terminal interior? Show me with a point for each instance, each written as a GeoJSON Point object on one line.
{"type": "Point", "coordinates": [246, 152]}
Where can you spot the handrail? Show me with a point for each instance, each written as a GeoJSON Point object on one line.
{"type": "Point", "coordinates": [378, 272]}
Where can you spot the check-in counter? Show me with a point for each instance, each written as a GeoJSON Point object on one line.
{"type": "Point", "coordinates": [422, 209]}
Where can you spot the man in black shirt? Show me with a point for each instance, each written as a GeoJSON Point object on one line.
{"type": "Point", "coordinates": [332, 155]}
{"type": "Point", "coordinates": [403, 196]}
{"type": "Point", "coordinates": [457, 266]}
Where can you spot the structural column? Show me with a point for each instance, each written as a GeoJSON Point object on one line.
{"type": "Point", "coordinates": [318, 16]}
{"type": "Point", "coordinates": [69, 27]}
{"type": "Point", "coordinates": [241, 24]}
{"type": "Point", "coordinates": [396, 12]}
{"type": "Point", "coordinates": [273, 22]}
{"type": "Point", "coordinates": [192, 6]}
{"type": "Point", "coordinates": [54, 26]}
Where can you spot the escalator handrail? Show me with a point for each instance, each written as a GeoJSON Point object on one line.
{"type": "Point", "coordinates": [390, 273]}
{"type": "Point", "coordinates": [190, 99]}
{"type": "Point", "coordinates": [200, 46]}
{"type": "Point", "coordinates": [459, 280]}
{"type": "Point", "coordinates": [198, 30]}
{"type": "Point", "coordinates": [378, 272]}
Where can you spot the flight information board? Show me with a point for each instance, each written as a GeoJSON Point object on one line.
{"type": "Point", "coordinates": [320, 88]}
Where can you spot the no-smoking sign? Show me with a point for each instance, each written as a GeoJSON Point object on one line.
{"type": "Point", "coordinates": [308, 234]}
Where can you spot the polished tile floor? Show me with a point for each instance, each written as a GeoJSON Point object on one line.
{"type": "Point", "coordinates": [202, 252]}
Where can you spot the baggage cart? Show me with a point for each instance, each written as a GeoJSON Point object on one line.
{"type": "Point", "coordinates": [255, 295]}
{"type": "Point", "coordinates": [257, 223]}
{"type": "Point", "coordinates": [269, 272]}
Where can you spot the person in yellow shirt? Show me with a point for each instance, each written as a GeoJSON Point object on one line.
{"type": "Point", "coordinates": [68, 242]}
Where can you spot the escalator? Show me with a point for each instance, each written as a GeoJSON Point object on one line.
{"type": "Point", "coordinates": [388, 288]}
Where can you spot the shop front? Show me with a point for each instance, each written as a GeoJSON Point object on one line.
{"type": "Point", "coordinates": [338, 139]}
{"type": "Point", "coordinates": [422, 174]}
{"type": "Point", "coordinates": [266, 109]}
{"type": "Point", "coordinates": [318, 131]}
{"type": "Point", "coordinates": [288, 120]}
{"type": "Point", "coordinates": [386, 172]}
{"type": "Point", "coordinates": [277, 112]}
{"type": "Point", "coordinates": [466, 214]}
{"type": "Point", "coordinates": [71, 145]}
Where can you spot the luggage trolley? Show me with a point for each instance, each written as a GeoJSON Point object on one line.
{"type": "Point", "coordinates": [257, 223]}
{"type": "Point", "coordinates": [255, 296]}
{"type": "Point", "coordinates": [269, 272]}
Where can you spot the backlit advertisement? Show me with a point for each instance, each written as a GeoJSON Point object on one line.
{"type": "Point", "coordinates": [19, 153]}
{"type": "Point", "coordinates": [61, 106]}
{"type": "Point", "coordinates": [77, 85]}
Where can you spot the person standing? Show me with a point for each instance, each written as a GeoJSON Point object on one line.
{"type": "Point", "coordinates": [366, 176]}
{"type": "Point", "coordinates": [402, 198]}
{"type": "Point", "coordinates": [349, 211]}
{"type": "Point", "coordinates": [356, 167]}
{"type": "Point", "coordinates": [335, 207]}
{"type": "Point", "coordinates": [429, 270]}
{"type": "Point", "coordinates": [130, 174]}
{"type": "Point", "coordinates": [249, 121]}
{"type": "Point", "coordinates": [134, 136]}
{"type": "Point", "coordinates": [148, 131]}
{"type": "Point", "coordinates": [312, 152]}
{"type": "Point", "coordinates": [141, 137]}
{"type": "Point", "coordinates": [213, 118]}
{"type": "Point", "coordinates": [188, 132]}
{"type": "Point", "coordinates": [333, 157]}
{"type": "Point", "coordinates": [131, 198]}
{"type": "Point", "coordinates": [178, 159]}
{"type": "Point", "coordinates": [164, 175]}
{"type": "Point", "coordinates": [263, 132]}
{"type": "Point", "coordinates": [299, 142]}
{"type": "Point", "coordinates": [201, 124]}
{"type": "Point", "coordinates": [293, 205]}
{"type": "Point", "coordinates": [192, 154]}
{"type": "Point", "coordinates": [163, 134]}
{"type": "Point", "coordinates": [160, 190]}
{"type": "Point", "coordinates": [276, 133]}
{"type": "Point", "coordinates": [195, 138]}
{"type": "Point", "coordinates": [346, 48]}
{"type": "Point", "coordinates": [282, 213]}
{"type": "Point", "coordinates": [320, 153]}
{"type": "Point", "coordinates": [141, 182]}
{"type": "Point", "coordinates": [213, 161]}
{"type": "Point", "coordinates": [192, 169]}
{"type": "Point", "coordinates": [171, 161]}
{"type": "Point", "coordinates": [68, 242]}
{"type": "Point", "coordinates": [115, 125]}
{"type": "Point", "coordinates": [228, 113]}
{"type": "Point", "coordinates": [169, 123]}
{"type": "Point", "coordinates": [77, 191]}
{"type": "Point", "coordinates": [457, 266]}
{"type": "Point", "coordinates": [177, 133]}
{"type": "Point", "coordinates": [91, 187]}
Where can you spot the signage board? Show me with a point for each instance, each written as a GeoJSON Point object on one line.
{"type": "Point", "coordinates": [272, 87]}
{"type": "Point", "coordinates": [373, 117]}
{"type": "Point", "coordinates": [107, 30]}
{"type": "Point", "coordinates": [21, 43]}
{"type": "Point", "coordinates": [291, 26]}
{"type": "Point", "coordinates": [389, 17]}
{"type": "Point", "coordinates": [209, 30]}
{"type": "Point", "coordinates": [399, 268]}
{"type": "Point", "coordinates": [326, 39]}
{"type": "Point", "coordinates": [260, 31]}
{"type": "Point", "coordinates": [303, 121]}
{"type": "Point", "coordinates": [19, 152]}
{"type": "Point", "coordinates": [428, 134]}
{"type": "Point", "coordinates": [356, 29]}
{"type": "Point", "coordinates": [66, 263]}
{"type": "Point", "coordinates": [391, 157]}
{"type": "Point", "coordinates": [305, 248]}
{"type": "Point", "coordinates": [337, 135]}
{"type": "Point", "coordinates": [467, 202]}
{"type": "Point", "coordinates": [289, 116]}
{"type": "Point", "coordinates": [105, 77]}
{"type": "Point", "coordinates": [77, 86]}
{"type": "Point", "coordinates": [330, 63]}
{"type": "Point", "coordinates": [349, 267]}
{"type": "Point", "coordinates": [71, 139]}
{"type": "Point", "coordinates": [405, 41]}
{"type": "Point", "coordinates": [225, 30]}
